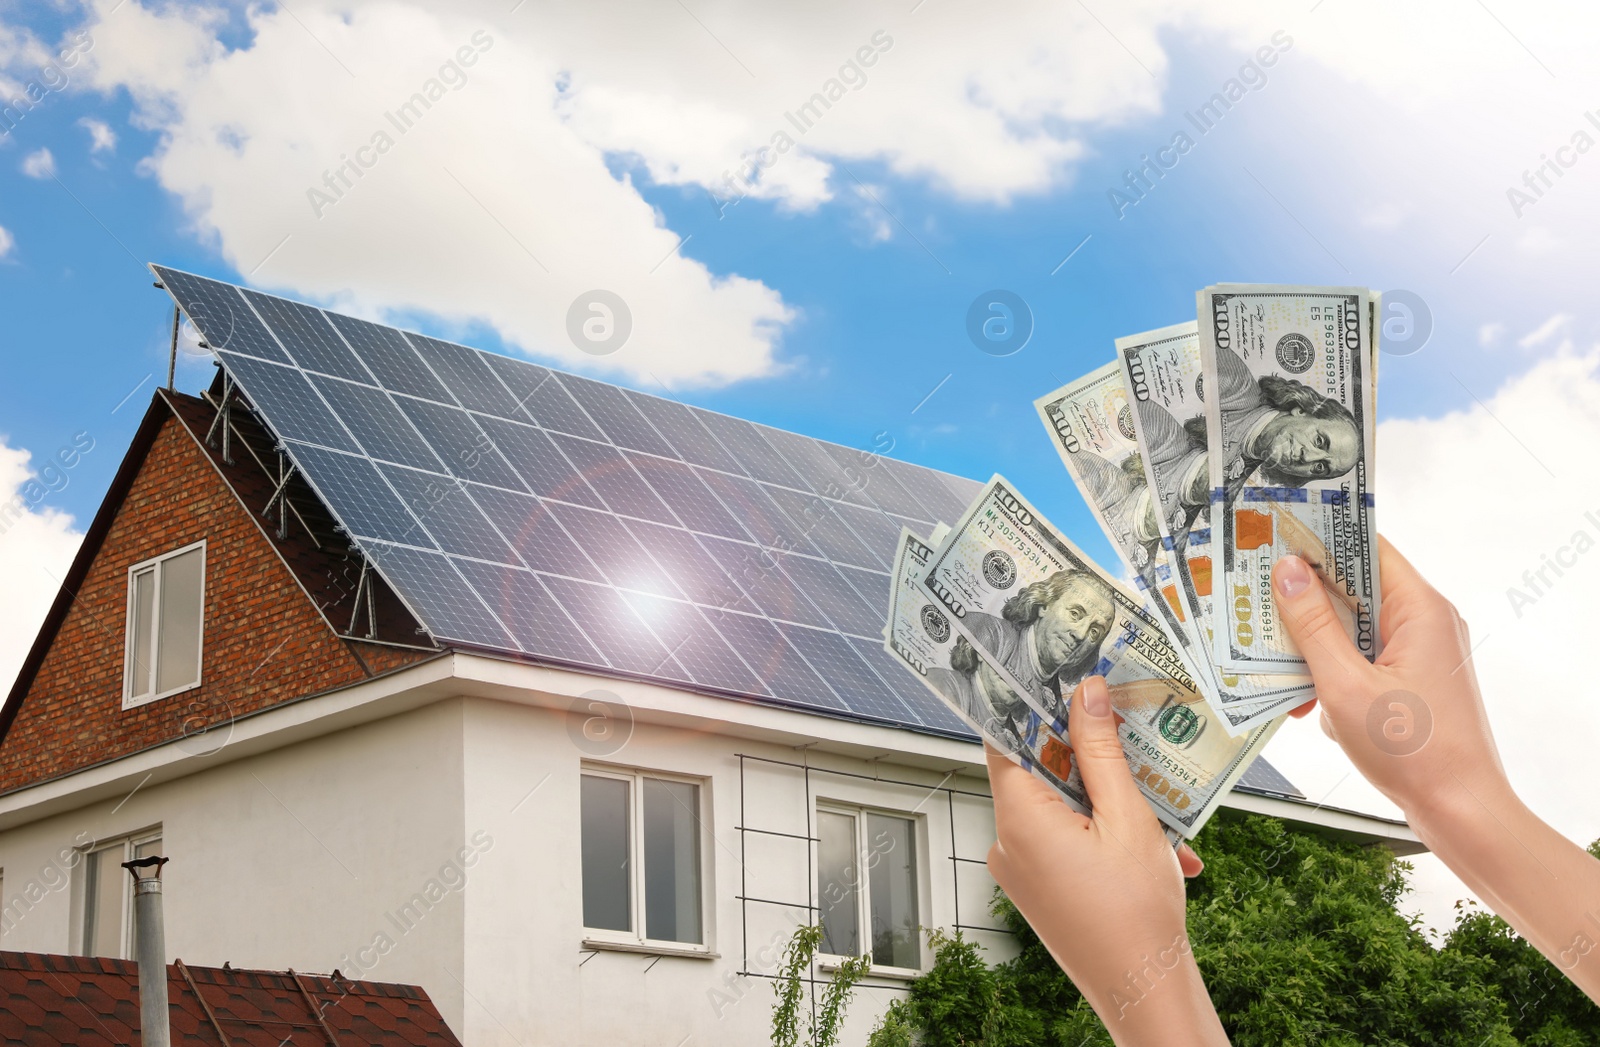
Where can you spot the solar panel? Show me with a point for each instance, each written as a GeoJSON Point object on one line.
{"type": "Point", "coordinates": [467, 377]}
{"type": "Point", "coordinates": [744, 441]}
{"type": "Point", "coordinates": [675, 483]}
{"type": "Point", "coordinates": [540, 463]}
{"type": "Point", "coordinates": [554, 408]}
{"type": "Point", "coordinates": [521, 509]}
{"type": "Point", "coordinates": [608, 406]}
{"type": "Point", "coordinates": [625, 563]}
{"type": "Point", "coordinates": [691, 440]}
{"type": "Point", "coordinates": [464, 448]}
{"type": "Point", "coordinates": [610, 474]}
{"type": "Point", "coordinates": [367, 506]}
{"type": "Point", "coordinates": [222, 317]}
{"type": "Point", "coordinates": [390, 359]}
{"type": "Point", "coordinates": [535, 533]}
{"type": "Point", "coordinates": [783, 672]}
{"type": "Point", "coordinates": [696, 643]}
{"type": "Point", "coordinates": [376, 423]}
{"type": "Point", "coordinates": [317, 346]}
{"type": "Point", "coordinates": [536, 618]}
{"type": "Point", "coordinates": [444, 509]}
{"type": "Point", "coordinates": [520, 378]}
{"type": "Point", "coordinates": [427, 579]}
{"type": "Point", "coordinates": [617, 629]}
{"type": "Point", "coordinates": [286, 396]}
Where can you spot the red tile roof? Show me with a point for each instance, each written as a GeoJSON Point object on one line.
{"type": "Point", "coordinates": [46, 1001]}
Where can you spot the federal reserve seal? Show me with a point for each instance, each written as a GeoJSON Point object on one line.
{"type": "Point", "coordinates": [999, 570]}
{"type": "Point", "coordinates": [1179, 725]}
{"type": "Point", "coordinates": [1125, 423]}
{"type": "Point", "coordinates": [1296, 353]}
{"type": "Point", "coordinates": [935, 624]}
{"type": "Point", "coordinates": [1200, 387]}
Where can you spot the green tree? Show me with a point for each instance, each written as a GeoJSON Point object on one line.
{"type": "Point", "coordinates": [1300, 942]}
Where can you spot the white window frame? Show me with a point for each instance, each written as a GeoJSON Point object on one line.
{"type": "Point", "coordinates": [859, 813]}
{"type": "Point", "coordinates": [80, 925]}
{"type": "Point", "coordinates": [635, 940]}
{"type": "Point", "coordinates": [128, 699]}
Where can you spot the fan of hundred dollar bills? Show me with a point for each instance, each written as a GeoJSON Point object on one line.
{"type": "Point", "coordinates": [1206, 451]}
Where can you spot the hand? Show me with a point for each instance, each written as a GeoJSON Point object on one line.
{"type": "Point", "coordinates": [1413, 723]}
{"type": "Point", "coordinates": [1104, 893]}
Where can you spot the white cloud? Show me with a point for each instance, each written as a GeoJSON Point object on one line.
{"type": "Point", "coordinates": [102, 139]}
{"type": "Point", "coordinates": [454, 219]}
{"type": "Point", "coordinates": [40, 163]}
{"type": "Point", "coordinates": [1475, 499]}
{"type": "Point", "coordinates": [1489, 333]}
{"type": "Point", "coordinates": [36, 548]}
{"type": "Point", "coordinates": [7, 242]}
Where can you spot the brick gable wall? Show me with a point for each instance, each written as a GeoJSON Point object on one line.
{"type": "Point", "coordinates": [265, 643]}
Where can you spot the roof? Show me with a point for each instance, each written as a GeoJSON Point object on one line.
{"type": "Point", "coordinates": [48, 1000]}
{"type": "Point", "coordinates": [522, 510]}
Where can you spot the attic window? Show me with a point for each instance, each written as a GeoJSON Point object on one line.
{"type": "Point", "coordinates": [166, 605]}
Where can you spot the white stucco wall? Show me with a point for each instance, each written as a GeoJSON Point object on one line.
{"type": "Point", "coordinates": [291, 858]}
{"type": "Point", "coordinates": [305, 853]}
{"type": "Point", "coordinates": [533, 982]}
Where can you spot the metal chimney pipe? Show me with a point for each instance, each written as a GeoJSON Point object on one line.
{"type": "Point", "coordinates": [150, 946]}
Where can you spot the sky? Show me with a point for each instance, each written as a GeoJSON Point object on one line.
{"type": "Point", "coordinates": [815, 269]}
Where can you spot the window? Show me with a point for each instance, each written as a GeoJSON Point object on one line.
{"type": "Point", "coordinates": [107, 899]}
{"type": "Point", "coordinates": [166, 605]}
{"type": "Point", "coordinates": [642, 858]}
{"type": "Point", "coordinates": [867, 886]}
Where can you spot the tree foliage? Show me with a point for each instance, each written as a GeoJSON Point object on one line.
{"type": "Point", "coordinates": [1300, 941]}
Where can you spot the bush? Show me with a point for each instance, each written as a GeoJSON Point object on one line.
{"type": "Point", "coordinates": [1300, 942]}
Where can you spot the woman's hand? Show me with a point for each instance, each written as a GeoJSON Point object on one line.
{"type": "Point", "coordinates": [1105, 892]}
{"type": "Point", "coordinates": [1413, 723]}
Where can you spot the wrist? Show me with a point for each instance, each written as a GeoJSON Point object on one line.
{"type": "Point", "coordinates": [1456, 810]}
{"type": "Point", "coordinates": [1160, 992]}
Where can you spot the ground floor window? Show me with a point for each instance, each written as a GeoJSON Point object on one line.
{"type": "Point", "coordinates": [867, 876]}
{"type": "Point", "coordinates": [106, 913]}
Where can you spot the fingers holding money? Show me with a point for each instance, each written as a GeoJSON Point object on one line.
{"type": "Point", "coordinates": [1103, 761]}
{"type": "Point", "coordinates": [1317, 630]}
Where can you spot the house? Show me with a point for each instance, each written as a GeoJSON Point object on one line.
{"type": "Point", "coordinates": [83, 1001]}
{"type": "Point", "coordinates": [565, 702]}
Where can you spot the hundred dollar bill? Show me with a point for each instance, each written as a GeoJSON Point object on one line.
{"type": "Point", "coordinates": [919, 634]}
{"type": "Point", "coordinates": [1290, 426]}
{"type": "Point", "coordinates": [1047, 618]}
{"type": "Point", "coordinates": [1092, 424]}
{"type": "Point", "coordinates": [1162, 373]}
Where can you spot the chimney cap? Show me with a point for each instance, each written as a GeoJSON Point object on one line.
{"type": "Point", "coordinates": [134, 866]}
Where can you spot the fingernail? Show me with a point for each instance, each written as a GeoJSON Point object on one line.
{"type": "Point", "coordinates": [1292, 577]}
{"type": "Point", "coordinates": [1096, 699]}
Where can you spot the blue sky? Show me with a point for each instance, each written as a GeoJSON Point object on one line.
{"type": "Point", "coordinates": [581, 151]}
{"type": "Point", "coordinates": [880, 323]}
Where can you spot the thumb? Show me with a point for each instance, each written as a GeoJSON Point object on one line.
{"type": "Point", "coordinates": [1315, 627]}
{"type": "Point", "coordinates": [1097, 749]}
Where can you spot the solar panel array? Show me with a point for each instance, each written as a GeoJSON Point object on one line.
{"type": "Point", "coordinates": [527, 510]}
